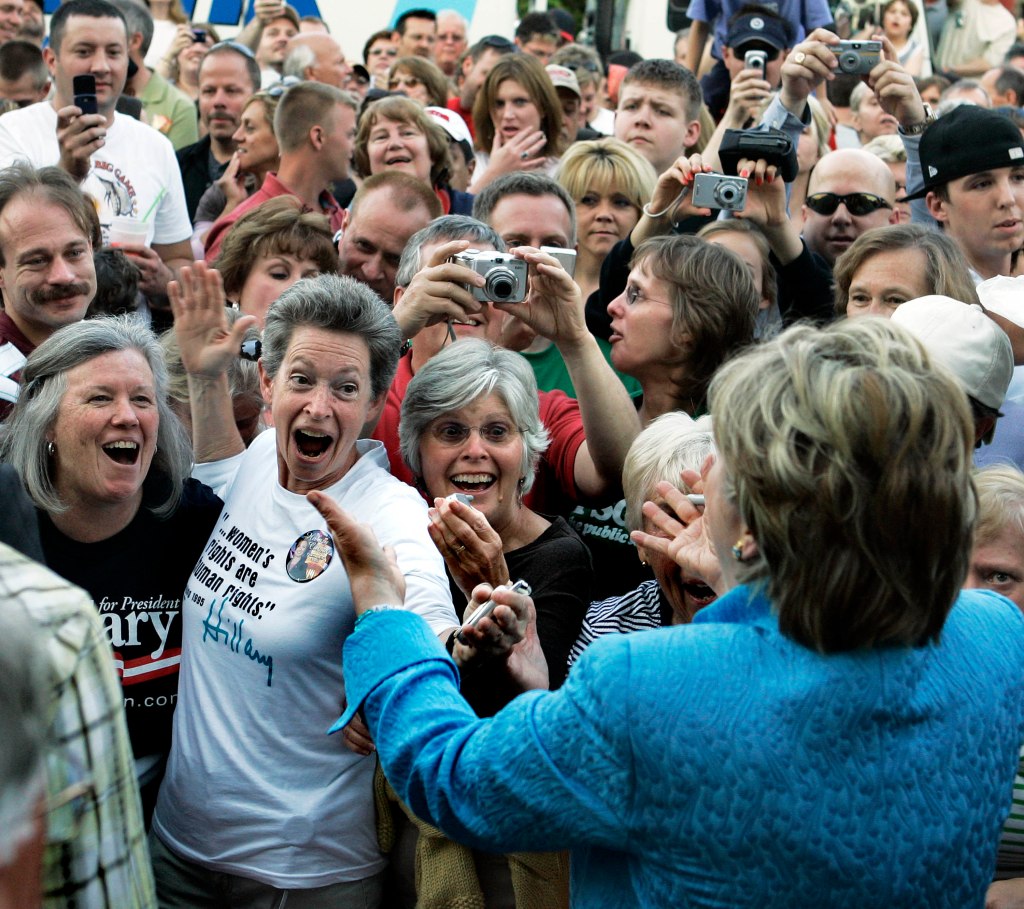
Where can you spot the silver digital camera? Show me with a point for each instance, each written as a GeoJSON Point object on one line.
{"type": "Point", "coordinates": [504, 275]}
{"type": "Point", "coordinates": [716, 191]}
{"type": "Point", "coordinates": [858, 56]}
{"type": "Point", "coordinates": [485, 609]}
{"type": "Point", "coordinates": [755, 59]}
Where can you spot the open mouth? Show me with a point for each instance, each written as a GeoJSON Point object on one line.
{"type": "Point", "coordinates": [397, 159]}
{"type": "Point", "coordinates": [473, 482]}
{"type": "Point", "coordinates": [310, 443]}
{"type": "Point", "coordinates": [699, 592]}
{"type": "Point", "coordinates": [123, 452]}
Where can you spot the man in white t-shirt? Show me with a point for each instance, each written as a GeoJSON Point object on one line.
{"type": "Point", "coordinates": [127, 167]}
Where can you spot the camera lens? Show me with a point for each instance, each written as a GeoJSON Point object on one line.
{"type": "Point", "coordinates": [848, 62]}
{"type": "Point", "coordinates": [726, 193]}
{"type": "Point", "coordinates": [500, 284]}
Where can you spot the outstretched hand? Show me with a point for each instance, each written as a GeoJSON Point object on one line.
{"type": "Point", "coordinates": [373, 573]}
{"type": "Point", "coordinates": [208, 343]}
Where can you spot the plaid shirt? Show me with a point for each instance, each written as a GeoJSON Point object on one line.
{"type": "Point", "coordinates": [96, 854]}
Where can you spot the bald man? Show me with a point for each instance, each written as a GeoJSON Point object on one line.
{"type": "Point", "coordinates": [316, 56]}
{"type": "Point", "coordinates": [850, 191]}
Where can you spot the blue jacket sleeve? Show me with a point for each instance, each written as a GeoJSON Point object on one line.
{"type": "Point", "coordinates": [550, 771]}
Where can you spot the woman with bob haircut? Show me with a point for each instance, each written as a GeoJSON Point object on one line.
{"type": "Point", "coordinates": [517, 119]}
{"type": "Point", "coordinates": [266, 608]}
{"type": "Point", "coordinates": [886, 266]}
{"type": "Point", "coordinates": [825, 686]}
{"type": "Point", "coordinates": [396, 133]}
{"type": "Point", "coordinates": [271, 247]}
{"type": "Point", "coordinates": [419, 79]}
{"type": "Point", "coordinates": [471, 425]}
{"type": "Point", "coordinates": [610, 183]}
{"type": "Point", "coordinates": [107, 465]}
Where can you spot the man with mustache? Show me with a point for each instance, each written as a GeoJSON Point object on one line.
{"type": "Point", "coordinates": [228, 75]}
{"type": "Point", "coordinates": [48, 230]}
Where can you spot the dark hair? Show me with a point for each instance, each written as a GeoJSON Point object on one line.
{"type": "Point", "coordinates": [407, 193]}
{"type": "Point", "coordinates": [537, 23]}
{"type": "Point", "coordinates": [304, 106]}
{"type": "Point", "coordinates": [117, 284]}
{"type": "Point", "coordinates": [20, 57]}
{"type": "Point", "coordinates": [94, 9]}
{"type": "Point", "coordinates": [1016, 50]}
{"type": "Point", "coordinates": [383, 35]}
{"type": "Point", "coordinates": [56, 186]}
{"type": "Point", "coordinates": [1010, 78]}
{"type": "Point", "coordinates": [714, 303]}
{"type": "Point", "coordinates": [528, 72]}
{"type": "Point", "coordinates": [522, 183]}
{"type": "Point", "coordinates": [413, 14]}
{"type": "Point", "coordinates": [669, 76]}
{"type": "Point", "coordinates": [428, 72]}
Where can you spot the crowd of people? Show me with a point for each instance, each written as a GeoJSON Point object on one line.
{"type": "Point", "coordinates": [463, 477]}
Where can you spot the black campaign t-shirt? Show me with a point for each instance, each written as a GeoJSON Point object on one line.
{"type": "Point", "coordinates": [136, 579]}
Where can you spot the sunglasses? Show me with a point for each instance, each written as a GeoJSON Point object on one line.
{"type": "Point", "coordinates": [281, 86]}
{"type": "Point", "coordinates": [235, 46]}
{"type": "Point", "coordinates": [857, 204]}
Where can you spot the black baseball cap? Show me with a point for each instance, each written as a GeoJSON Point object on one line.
{"type": "Point", "coordinates": [967, 140]}
{"type": "Point", "coordinates": [757, 27]}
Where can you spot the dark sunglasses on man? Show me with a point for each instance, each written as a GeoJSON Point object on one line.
{"type": "Point", "coordinates": [857, 204]}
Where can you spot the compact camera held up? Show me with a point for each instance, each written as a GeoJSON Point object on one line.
{"type": "Point", "coordinates": [858, 56]}
{"type": "Point", "coordinates": [504, 275]}
{"type": "Point", "coordinates": [716, 191]}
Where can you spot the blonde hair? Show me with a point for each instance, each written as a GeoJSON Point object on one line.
{"type": "Point", "coordinates": [845, 449]}
{"type": "Point", "coordinates": [1000, 501]}
{"type": "Point", "coordinates": [610, 165]}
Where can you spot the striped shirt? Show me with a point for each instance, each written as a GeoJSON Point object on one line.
{"type": "Point", "coordinates": [637, 610]}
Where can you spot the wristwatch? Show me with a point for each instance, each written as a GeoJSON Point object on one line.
{"type": "Point", "coordinates": [918, 128]}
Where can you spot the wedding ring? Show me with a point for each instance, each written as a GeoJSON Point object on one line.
{"type": "Point", "coordinates": [800, 57]}
{"type": "Point", "coordinates": [460, 549]}
{"type": "Point", "coordinates": [524, 155]}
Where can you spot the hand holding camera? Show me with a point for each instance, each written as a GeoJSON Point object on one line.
{"type": "Point", "coordinates": [896, 90]}
{"type": "Point", "coordinates": [748, 91]}
{"type": "Point", "coordinates": [439, 291]}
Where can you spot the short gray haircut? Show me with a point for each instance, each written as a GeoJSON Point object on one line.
{"type": "Point", "coordinates": [44, 384]}
{"type": "Point", "coordinates": [443, 230]}
{"type": "Point", "coordinates": [335, 303]}
{"type": "Point", "coordinates": [523, 183]}
{"type": "Point", "coordinates": [137, 18]}
{"type": "Point", "coordinates": [671, 444]}
{"type": "Point", "coordinates": [299, 57]}
{"type": "Point", "coordinates": [461, 374]}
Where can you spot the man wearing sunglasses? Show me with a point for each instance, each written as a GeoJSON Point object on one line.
{"type": "Point", "coordinates": [850, 192]}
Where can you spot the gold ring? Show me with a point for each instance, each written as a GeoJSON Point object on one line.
{"type": "Point", "coordinates": [460, 550]}
{"type": "Point", "coordinates": [800, 57]}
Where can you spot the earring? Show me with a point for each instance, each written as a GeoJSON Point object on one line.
{"type": "Point", "coordinates": [519, 490]}
{"type": "Point", "coordinates": [737, 550]}
{"type": "Point", "coordinates": [51, 449]}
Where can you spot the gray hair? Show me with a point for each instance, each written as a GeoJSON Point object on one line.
{"type": "Point", "coordinates": [442, 230]}
{"type": "Point", "coordinates": [672, 443]}
{"type": "Point", "coordinates": [523, 183]}
{"type": "Point", "coordinates": [45, 382]}
{"type": "Point", "coordinates": [137, 18]}
{"type": "Point", "coordinates": [461, 374]}
{"type": "Point", "coordinates": [335, 303]}
{"type": "Point", "coordinates": [299, 57]}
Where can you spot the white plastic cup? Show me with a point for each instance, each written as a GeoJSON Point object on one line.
{"type": "Point", "coordinates": [127, 231]}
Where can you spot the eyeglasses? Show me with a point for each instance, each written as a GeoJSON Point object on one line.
{"type": "Point", "coordinates": [634, 295]}
{"type": "Point", "coordinates": [235, 46]}
{"type": "Point", "coordinates": [449, 432]}
{"type": "Point", "coordinates": [857, 204]}
{"type": "Point", "coordinates": [280, 87]}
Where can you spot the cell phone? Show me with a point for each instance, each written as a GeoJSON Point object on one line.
{"type": "Point", "coordinates": [485, 609]}
{"type": "Point", "coordinates": [84, 89]}
{"type": "Point", "coordinates": [755, 59]}
{"type": "Point", "coordinates": [566, 257]}
{"type": "Point", "coordinates": [199, 36]}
